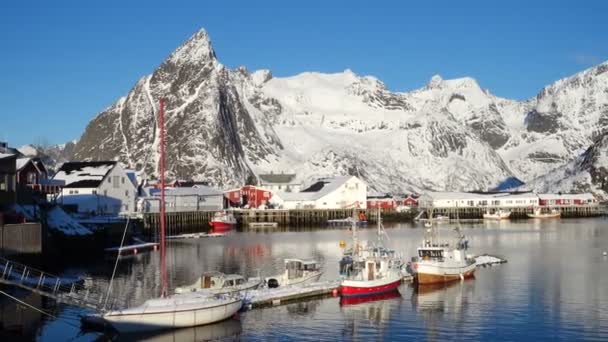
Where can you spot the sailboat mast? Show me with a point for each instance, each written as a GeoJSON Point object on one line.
{"type": "Point", "coordinates": [161, 167]}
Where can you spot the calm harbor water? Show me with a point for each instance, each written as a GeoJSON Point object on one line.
{"type": "Point", "coordinates": [554, 287]}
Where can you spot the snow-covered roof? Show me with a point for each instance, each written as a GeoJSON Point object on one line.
{"type": "Point", "coordinates": [84, 174]}
{"type": "Point", "coordinates": [21, 162]}
{"type": "Point", "coordinates": [6, 155]}
{"type": "Point", "coordinates": [317, 190]}
{"type": "Point", "coordinates": [200, 190]}
{"type": "Point", "coordinates": [585, 196]}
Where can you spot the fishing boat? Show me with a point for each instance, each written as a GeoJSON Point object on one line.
{"type": "Point", "coordinates": [297, 271]}
{"type": "Point", "coordinates": [497, 215]}
{"type": "Point", "coordinates": [440, 261]}
{"type": "Point", "coordinates": [218, 283]}
{"type": "Point", "coordinates": [178, 310]}
{"type": "Point", "coordinates": [222, 222]}
{"type": "Point", "coordinates": [540, 213]}
{"type": "Point", "coordinates": [370, 270]}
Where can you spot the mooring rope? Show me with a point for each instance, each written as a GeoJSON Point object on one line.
{"type": "Point", "coordinates": [124, 233]}
{"type": "Point", "coordinates": [36, 309]}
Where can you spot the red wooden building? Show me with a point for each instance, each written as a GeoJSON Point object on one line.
{"type": "Point", "coordinates": [249, 196]}
{"type": "Point", "coordinates": [409, 201]}
{"type": "Point", "coordinates": [381, 202]}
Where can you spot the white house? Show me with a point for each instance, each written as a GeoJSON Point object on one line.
{"type": "Point", "coordinates": [284, 182]}
{"type": "Point", "coordinates": [197, 198]}
{"type": "Point", "coordinates": [466, 199]}
{"type": "Point", "coordinates": [96, 187]}
{"type": "Point", "coordinates": [327, 193]}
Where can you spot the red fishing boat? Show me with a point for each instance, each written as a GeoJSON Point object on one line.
{"type": "Point", "coordinates": [222, 222]}
{"type": "Point", "coordinates": [370, 270]}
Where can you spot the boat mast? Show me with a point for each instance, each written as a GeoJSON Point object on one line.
{"type": "Point", "coordinates": [161, 167]}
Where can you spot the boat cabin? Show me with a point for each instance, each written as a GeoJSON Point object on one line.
{"type": "Point", "coordinates": [213, 280]}
{"type": "Point", "coordinates": [430, 253]}
{"type": "Point", "coordinates": [296, 268]}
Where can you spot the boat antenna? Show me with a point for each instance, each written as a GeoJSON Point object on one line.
{"type": "Point", "coordinates": [161, 167]}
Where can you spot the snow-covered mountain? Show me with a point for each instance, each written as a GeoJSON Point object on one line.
{"type": "Point", "coordinates": [224, 125]}
{"type": "Point", "coordinates": [51, 155]}
{"type": "Point", "coordinates": [586, 173]}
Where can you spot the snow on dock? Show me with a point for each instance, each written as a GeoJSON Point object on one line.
{"type": "Point", "coordinates": [488, 260]}
{"type": "Point", "coordinates": [133, 249]}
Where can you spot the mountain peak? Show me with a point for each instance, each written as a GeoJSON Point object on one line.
{"type": "Point", "coordinates": [195, 50]}
{"type": "Point", "coordinates": [435, 81]}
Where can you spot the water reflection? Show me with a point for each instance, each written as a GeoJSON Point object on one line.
{"type": "Point", "coordinates": [18, 322]}
{"type": "Point", "coordinates": [227, 330]}
{"type": "Point", "coordinates": [555, 283]}
{"type": "Point", "coordinates": [362, 313]}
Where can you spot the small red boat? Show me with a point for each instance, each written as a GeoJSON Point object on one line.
{"type": "Point", "coordinates": [222, 222]}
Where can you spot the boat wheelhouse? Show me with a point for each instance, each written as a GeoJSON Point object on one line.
{"type": "Point", "coordinates": [218, 282]}
{"type": "Point", "coordinates": [297, 271]}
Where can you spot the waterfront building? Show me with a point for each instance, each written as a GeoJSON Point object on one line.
{"type": "Point", "coordinates": [377, 201]}
{"type": "Point", "coordinates": [476, 200]}
{"type": "Point", "coordinates": [96, 187]}
{"type": "Point", "coordinates": [326, 193]}
{"type": "Point", "coordinates": [182, 199]}
{"type": "Point", "coordinates": [567, 199]}
{"type": "Point", "coordinates": [284, 182]}
{"type": "Point", "coordinates": [8, 179]}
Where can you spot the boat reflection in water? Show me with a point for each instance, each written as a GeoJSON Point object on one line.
{"type": "Point", "coordinates": [226, 330]}
{"type": "Point", "coordinates": [370, 298]}
{"type": "Point", "coordinates": [441, 304]}
{"type": "Point", "coordinates": [363, 313]}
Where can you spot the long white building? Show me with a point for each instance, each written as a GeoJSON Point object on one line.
{"type": "Point", "coordinates": [472, 200]}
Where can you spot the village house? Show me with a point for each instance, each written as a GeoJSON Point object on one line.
{"type": "Point", "coordinates": [248, 196]}
{"type": "Point", "coordinates": [386, 202]}
{"type": "Point", "coordinates": [183, 199]}
{"type": "Point", "coordinates": [326, 193]}
{"type": "Point", "coordinates": [285, 182]}
{"type": "Point", "coordinates": [96, 187]}
{"type": "Point", "coordinates": [8, 179]}
{"type": "Point", "coordinates": [407, 201]}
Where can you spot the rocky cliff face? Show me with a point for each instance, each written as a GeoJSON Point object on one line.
{"type": "Point", "coordinates": [224, 125]}
{"type": "Point", "coordinates": [586, 173]}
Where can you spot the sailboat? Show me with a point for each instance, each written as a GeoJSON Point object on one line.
{"type": "Point", "coordinates": [178, 310]}
{"type": "Point", "coordinates": [370, 270]}
{"type": "Point", "coordinates": [442, 261]}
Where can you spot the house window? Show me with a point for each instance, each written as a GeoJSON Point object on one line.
{"type": "Point", "coordinates": [94, 192]}
{"type": "Point", "coordinates": [31, 178]}
{"type": "Point", "coordinates": [123, 180]}
{"type": "Point", "coordinates": [279, 187]}
{"type": "Point", "coordinates": [109, 180]}
{"type": "Point", "coordinates": [116, 182]}
{"type": "Point", "coordinates": [127, 193]}
{"type": "Point", "coordinates": [71, 192]}
{"type": "Point", "coordinates": [3, 182]}
{"type": "Point", "coordinates": [471, 203]}
{"type": "Point", "coordinates": [105, 192]}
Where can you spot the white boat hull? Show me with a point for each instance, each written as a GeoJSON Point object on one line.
{"type": "Point", "coordinates": [145, 318]}
{"type": "Point", "coordinates": [433, 273]}
{"type": "Point", "coordinates": [497, 216]}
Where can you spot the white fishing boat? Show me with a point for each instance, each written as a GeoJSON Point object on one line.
{"type": "Point", "coordinates": [297, 271]}
{"type": "Point", "coordinates": [441, 261]}
{"type": "Point", "coordinates": [497, 215]}
{"type": "Point", "coordinates": [179, 310]}
{"type": "Point", "coordinates": [218, 283]}
{"type": "Point", "coordinates": [540, 213]}
{"type": "Point", "coordinates": [370, 270]}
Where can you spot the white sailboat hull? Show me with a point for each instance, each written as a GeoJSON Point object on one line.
{"type": "Point", "coordinates": [179, 315]}
{"type": "Point", "coordinates": [442, 272]}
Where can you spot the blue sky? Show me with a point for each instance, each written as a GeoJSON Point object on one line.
{"type": "Point", "coordinates": [62, 62]}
